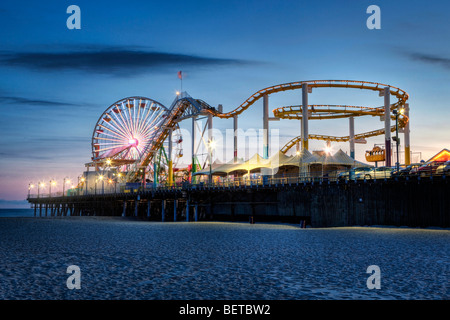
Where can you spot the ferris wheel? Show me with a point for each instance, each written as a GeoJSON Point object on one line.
{"type": "Point", "coordinates": [125, 131]}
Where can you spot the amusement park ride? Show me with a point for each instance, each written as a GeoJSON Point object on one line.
{"type": "Point", "coordinates": [138, 139]}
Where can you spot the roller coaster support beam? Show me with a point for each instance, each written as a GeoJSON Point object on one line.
{"type": "Point", "coordinates": [266, 126]}
{"type": "Point", "coordinates": [193, 169]}
{"type": "Point", "coordinates": [406, 133]}
{"type": "Point", "coordinates": [235, 142]}
{"type": "Point", "coordinates": [155, 175]}
{"type": "Point", "coordinates": [352, 136]}
{"type": "Point", "coordinates": [387, 124]}
{"type": "Point", "coordinates": [170, 158]}
{"type": "Point", "coordinates": [298, 144]}
{"type": "Point", "coordinates": [304, 116]}
{"type": "Point", "coordinates": [210, 145]}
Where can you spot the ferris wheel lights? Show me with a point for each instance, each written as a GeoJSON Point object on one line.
{"type": "Point", "coordinates": [133, 142]}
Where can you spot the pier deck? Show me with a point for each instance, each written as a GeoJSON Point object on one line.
{"type": "Point", "coordinates": [413, 202]}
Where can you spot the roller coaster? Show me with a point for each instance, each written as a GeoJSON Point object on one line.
{"type": "Point", "coordinates": [137, 134]}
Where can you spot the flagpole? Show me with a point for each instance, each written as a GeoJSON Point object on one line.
{"type": "Point", "coordinates": [180, 76]}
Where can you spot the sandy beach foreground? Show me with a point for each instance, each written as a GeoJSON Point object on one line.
{"type": "Point", "coordinates": [126, 259]}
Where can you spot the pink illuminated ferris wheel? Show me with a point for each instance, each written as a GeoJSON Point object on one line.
{"type": "Point", "coordinates": [125, 131]}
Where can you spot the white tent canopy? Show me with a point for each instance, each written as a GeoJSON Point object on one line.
{"type": "Point", "coordinates": [279, 159]}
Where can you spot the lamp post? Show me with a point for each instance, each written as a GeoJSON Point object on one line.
{"type": "Point", "coordinates": [30, 186]}
{"type": "Point", "coordinates": [64, 184]}
{"type": "Point", "coordinates": [52, 182]}
{"type": "Point", "coordinates": [110, 182]}
{"type": "Point", "coordinates": [396, 138]}
{"type": "Point", "coordinates": [40, 184]}
{"type": "Point", "coordinates": [211, 146]}
{"type": "Point", "coordinates": [84, 186]}
{"type": "Point", "coordinates": [101, 179]}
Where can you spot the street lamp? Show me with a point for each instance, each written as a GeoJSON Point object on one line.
{"type": "Point", "coordinates": [300, 164]}
{"type": "Point", "coordinates": [101, 179]}
{"type": "Point", "coordinates": [64, 184]}
{"type": "Point", "coordinates": [30, 186]}
{"type": "Point", "coordinates": [110, 182]}
{"type": "Point", "coordinates": [211, 145]}
{"type": "Point", "coordinates": [396, 138]}
{"type": "Point", "coordinates": [52, 183]}
{"type": "Point", "coordinates": [83, 180]}
{"type": "Point", "coordinates": [40, 184]}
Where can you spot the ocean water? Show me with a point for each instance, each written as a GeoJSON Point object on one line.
{"type": "Point", "coordinates": [127, 259]}
{"type": "Point", "coordinates": [16, 212]}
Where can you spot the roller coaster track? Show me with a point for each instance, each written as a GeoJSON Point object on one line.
{"type": "Point", "coordinates": [369, 134]}
{"type": "Point", "coordinates": [401, 95]}
{"type": "Point", "coordinates": [293, 112]}
{"type": "Point", "coordinates": [321, 112]}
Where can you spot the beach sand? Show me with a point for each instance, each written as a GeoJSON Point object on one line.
{"type": "Point", "coordinates": [126, 259]}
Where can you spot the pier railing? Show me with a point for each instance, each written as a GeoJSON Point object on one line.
{"type": "Point", "coordinates": [260, 181]}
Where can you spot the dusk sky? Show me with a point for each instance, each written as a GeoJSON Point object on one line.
{"type": "Point", "coordinates": [56, 82]}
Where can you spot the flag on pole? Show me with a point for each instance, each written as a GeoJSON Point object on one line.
{"type": "Point", "coordinates": [180, 75]}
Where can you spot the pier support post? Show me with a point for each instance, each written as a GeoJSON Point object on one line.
{"type": "Point", "coordinates": [352, 136]}
{"type": "Point", "coordinates": [387, 124]}
{"type": "Point", "coordinates": [136, 205]}
{"type": "Point", "coordinates": [266, 126]}
{"type": "Point", "coordinates": [196, 213]}
{"type": "Point", "coordinates": [175, 202]}
{"type": "Point", "coordinates": [187, 210]}
{"type": "Point", "coordinates": [304, 124]}
{"type": "Point", "coordinates": [149, 205]}
{"type": "Point", "coordinates": [163, 210]}
{"type": "Point", "coordinates": [124, 211]}
{"type": "Point", "coordinates": [406, 137]}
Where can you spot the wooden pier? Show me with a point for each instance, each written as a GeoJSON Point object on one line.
{"type": "Point", "coordinates": [413, 202]}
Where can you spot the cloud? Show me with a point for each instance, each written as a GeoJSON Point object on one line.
{"type": "Point", "coordinates": [428, 58]}
{"type": "Point", "coordinates": [35, 102]}
{"type": "Point", "coordinates": [111, 60]}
